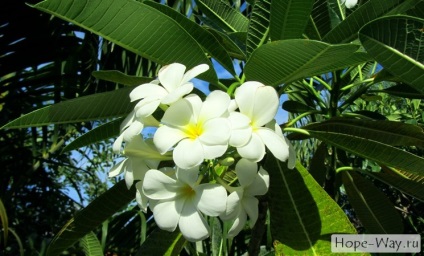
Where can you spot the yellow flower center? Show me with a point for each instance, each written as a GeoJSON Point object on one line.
{"type": "Point", "coordinates": [193, 131]}
{"type": "Point", "coordinates": [187, 191]}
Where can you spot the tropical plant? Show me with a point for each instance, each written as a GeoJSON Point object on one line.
{"type": "Point", "coordinates": [339, 69]}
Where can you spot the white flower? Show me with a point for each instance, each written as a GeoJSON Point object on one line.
{"type": "Point", "coordinates": [350, 3]}
{"type": "Point", "coordinates": [242, 202]}
{"type": "Point", "coordinates": [141, 156]}
{"type": "Point", "coordinates": [175, 84]}
{"type": "Point", "coordinates": [198, 129]}
{"type": "Point", "coordinates": [181, 201]}
{"type": "Point", "coordinates": [259, 103]}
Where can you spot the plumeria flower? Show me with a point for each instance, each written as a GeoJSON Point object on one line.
{"type": "Point", "coordinates": [141, 156]}
{"type": "Point", "coordinates": [291, 161]}
{"type": "Point", "coordinates": [350, 3]}
{"type": "Point", "coordinates": [198, 129]}
{"type": "Point", "coordinates": [175, 84]}
{"type": "Point", "coordinates": [242, 201]}
{"type": "Point", "coordinates": [259, 104]}
{"type": "Point", "coordinates": [180, 201]}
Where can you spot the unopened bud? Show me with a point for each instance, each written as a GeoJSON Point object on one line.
{"type": "Point", "coordinates": [228, 161]}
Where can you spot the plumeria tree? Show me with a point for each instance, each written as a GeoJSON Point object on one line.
{"type": "Point", "coordinates": [214, 172]}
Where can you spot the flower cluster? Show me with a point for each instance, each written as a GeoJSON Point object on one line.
{"type": "Point", "coordinates": [194, 145]}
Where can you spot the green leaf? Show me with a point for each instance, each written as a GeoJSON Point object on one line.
{"type": "Point", "coordinates": [91, 217]}
{"type": "Point", "coordinates": [202, 36]}
{"type": "Point", "coordinates": [161, 242]}
{"type": "Point", "coordinates": [317, 167]}
{"type": "Point", "coordinates": [91, 245]}
{"type": "Point", "coordinates": [319, 23]}
{"type": "Point", "coordinates": [4, 222]}
{"type": "Point", "coordinates": [224, 15]}
{"type": "Point", "coordinates": [289, 18]}
{"type": "Point", "coordinates": [403, 90]}
{"type": "Point", "coordinates": [348, 29]}
{"type": "Point", "coordinates": [93, 107]}
{"type": "Point", "coordinates": [294, 106]}
{"type": "Point", "coordinates": [303, 216]}
{"type": "Point", "coordinates": [289, 60]}
{"type": "Point", "coordinates": [397, 43]}
{"type": "Point", "coordinates": [233, 49]}
{"type": "Point", "coordinates": [116, 76]}
{"type": "Point", "coordinates": [372, 207]}
{"type": "Point", "coordinates": [367, 147]}
{"type": "Point", "coordinates": [134, 26]}
{"type": "Point", "coordinates": [100, 133]}
{"type": "Point", "coordinates": [258, 29]}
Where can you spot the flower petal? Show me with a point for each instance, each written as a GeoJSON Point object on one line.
{"type": "Point", "coordinates": [265, 105]}
{"type": "Point", "coordinates": [233, 206]}
{"type": "Point", "coordinates": [245, 96]}
{"type": "Point", "coordinates": [167, 213]}
{"type": "Point", "coordinates": [276, 144]}
{"type": "Point", "coordinates": [238, 224]}
{"type": "Point", "coordinates": [148, 90]}
{"type": "Point", "coordinates": [188, 176]}
{"type": "Point", "coordinates": [140, 197]}
{"type": "Point", "coordinates": [146, 107]}
{"type": "Point", "coordinates": [192, 224]}
{"type": "Point", "coordinates": [254, 150]}
{"type": "Point", "coordinates": [170, 76]}
{"type": "Point", "coordinates": [241, 131]}
{"type": "Point", "coordinates": [133, 130]}
{"type": "Point", "coordinates": [177, 93]}
{"type": "Point", "coordinates": [246, 172]}
{"type": "Point", "coordinates": [166, 137]}
{"type": "Point", "coordinates": [179, 114]}
{"type": "Point", "coordinates": [211, 152]}
{"type": "Point", "coordinates": [118, 168]}
{"type": "Point", "coordinates": [188, 153]}
{"type": "Point", "coordinates": [291, 163]}
{"type": "Point", "coordinates": [215, 105]}
{"type": "Point", "coordinates": [116, 147]}
{"type": "Point", "coordinates": [159, 186]}
{"type": "Point", "coordinates": [260, 185]}
{"type": "Point", "coordinates": [250, 205]}
{"type": "Point", "coordinates": [216, 132]}
{"type": "Point", "coordinates": [195, 71]}
{"type": "Point", "coordinates": [211, 199]}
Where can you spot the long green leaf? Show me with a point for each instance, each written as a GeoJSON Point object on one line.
{"type": "Point", "coordinates": [202, 36]}
{"type": "Point", "coordinates": [120, 78]}
{"type": "Point", "coordinates": [4, 222]}
{"type": "Point", "coordinates": [289, 60]}
{"type": "Point", "coordinates": [161, 242]}
{"type": "Point", "coordinates": [134, 26]}
{"type": "Point", "coordinates": [91, 217]}
{"type": "Point", "coordinates": [100, 133]}
{"type": "Point", "coordinates": [347, 30]}
{"type": "Point", "coordinates": [303, 216]}
{"type": "Point", "coordinates": [319, 23]}
{"type": "Point", "coordinates": [289, 18]}
{"type": "Point", "coordinates": [403, 90]}
{"type": "Point", "coordinates": [93, 107]}
{"type": "Point", "coordinates": [224, 15]}
{"type": "Point", "coordinates": [373, 208]}
{"type": "Point", "coordinates": [397, 43]}
{"type": "Point", "coordinates": [233, 49]}
{"type": "Point", "coordinates": [258, 29]}
{"type": "Point", "coordinates": [91, 245]}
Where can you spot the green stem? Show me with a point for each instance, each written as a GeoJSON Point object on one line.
{"type": "Point", "coordinates": [293, 121]}
{"type": "Point", "coordinates": [347, 87]}
{"type": "Point", "coordinates": [326, 85]}
{"type": "Point", "coordinates": [297, 130]}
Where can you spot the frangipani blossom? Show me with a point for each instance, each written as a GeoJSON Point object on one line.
{"type": "Point", "coordinates": [180, 201]}
{"type": "Point", "coordinates": [175, 84]}
{"type": "Point", "coordinates": [350, 3]}
{"type": "Point", "coordinates": [259, 103]}
{"type": "Point", "coordinates": [198, 129]}
{"type": "Point", "coordinates": [242, 202]}
{"type": "Point", "coordinates": [141, 156]}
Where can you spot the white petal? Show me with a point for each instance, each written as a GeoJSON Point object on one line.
{"type": "Point", "coordinates": [291, 163]}
{"type": "Point", "coordinates": [260, 185]}
{"type": "Point", "coordinates": [147, 90]}
{"type": "Point", "coordinates": [166, 137]}
{"type": "Point", "coordinates": [179, 114]}
{"type": "Point", "coordinates": [246, 172]}
{"type": "Point", "coordinates": [178, 93]}
{"type": "Point", "coordinates": [265, 105]}
{"type": "Point", "coordinates": [144, 149]}
{"type": "Point", "coordinates": [170, 76]}
{"type": "Point", "coordinates": [116, 147]}
{"type": "Point", "coordinates": [254, 150]}
{"type": "Point", "coordinates": [140, 197]}
{"type": "Point", "coordinates": [195, 71]}
{"type": "Point", "coordinates": [188, 153]}
{"type": "Point", "coordinates": [196, 105]}
{"type": "Point", "coordinates": [129, 177]}
{"type": "Point", "coordinates": [241, 131]}
{"type": "Point", "coordinates": [159, 186]}
{"type": "Point", "coordinates": [351, 3]}
{"type": "Point", "coordinates": [211, 152]}
{"type": "Point", "coordinates": [276, 144]}
{"type": "Point", "coordinates": [133, 130]}
{"type": "Point", "coordinates": [238, 224]}
{"type": "Point", "coordinates": [146, 107]}
{"type": "Point", "coordinates": [167, 213]}
{"type": "Point", "coordinates": [216, 132]}
{"type": "Point", "coordinates": [118, 168]}
{"type": "Point", "coordinates": [138, 167]}
{"type": "Point", "coordinates": [215, 105]}
{"type": "Point", "coordinates": [129, 119]}
{"type": "Point", "coordinates": [245, 96]}
{"type": "Point", "coordinates": [250, 205]}
{"type": "Point", "coordinates": [233, 205]}
{"type": "Point", "coordinates": [188, 176]}
{"type": "Point", "coordinates": [192, 225]}
{"type": "Point", "coordinates": [211, 199]}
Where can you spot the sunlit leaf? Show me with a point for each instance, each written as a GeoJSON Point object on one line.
{"type": "Point", "coordinates": [397, 43]}
{"type": "Point", "coordinates": [303, 216]}
{"type": "Point", "coordinates": [91, 245]}
{"type": "Point", "coordinates": [258, 29]}
{"type": "Point", "coordinates": [91, 217]}
{"type": "Point", "coordinates": [372, 207]}
{"type": "Point", "coordinates": [161, 242]}
{"type": "Point", "coordinates": [87, 108]}
{"type": "Point", "coordinates": [134, 26]}
{"type": "Point", "coordinates": [120, 78]}
{"type": "Point", "coordinates": [289, 18]}
{"type": "Point", "coordinates": [282, 62]}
